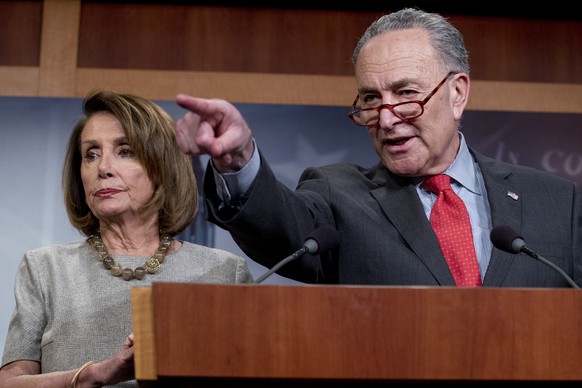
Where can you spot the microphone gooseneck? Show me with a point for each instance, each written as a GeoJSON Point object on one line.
{"type": "Point", "coordinates": [320, 240]}
{"type": "Point", "coordinates": [507, 239]}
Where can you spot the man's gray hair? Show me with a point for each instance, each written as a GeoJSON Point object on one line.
{"type": "Point", "coordinates": [446, 39]}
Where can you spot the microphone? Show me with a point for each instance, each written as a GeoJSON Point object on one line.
{"type": "Point", "coordinates": [320, 240]}
{"type": "Point", "coordinates": [508, 240]}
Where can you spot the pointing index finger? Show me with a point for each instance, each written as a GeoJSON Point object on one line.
{"type": "Point", "coordinates": [199, 106]}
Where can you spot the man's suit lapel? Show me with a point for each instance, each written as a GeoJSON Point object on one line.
{"type": "Point", "coordinates": [505, 201]}
{"type": "Point", "coordinates": [400, 202]}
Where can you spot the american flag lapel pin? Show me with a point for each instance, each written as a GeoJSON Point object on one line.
{"type": "Point", "coordinates": [512, 195]}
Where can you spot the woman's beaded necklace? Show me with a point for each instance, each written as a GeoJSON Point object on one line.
{"type": "Point", "coordinates": [151, 266]}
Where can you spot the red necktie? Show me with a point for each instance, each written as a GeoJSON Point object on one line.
{"type": "Point", "coordinates": [450, 220]}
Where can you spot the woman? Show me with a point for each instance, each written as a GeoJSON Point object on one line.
{"type": "Point", "coordinates": [130, 191]}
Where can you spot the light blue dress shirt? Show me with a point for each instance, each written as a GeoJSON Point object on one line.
{"type": "Point", "coordinates": [468, 183]}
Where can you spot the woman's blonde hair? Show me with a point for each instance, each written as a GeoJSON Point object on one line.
{"type": "Point", "coordinates": [150, 132]}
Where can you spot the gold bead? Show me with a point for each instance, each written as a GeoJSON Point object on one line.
{"type": "Point", "coordinates": [152, 265]}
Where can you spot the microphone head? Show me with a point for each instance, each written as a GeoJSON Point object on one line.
{"type": "Point", "coordinates": [507, 239]}
{"type": "Point", "coordinates": [321, 239]}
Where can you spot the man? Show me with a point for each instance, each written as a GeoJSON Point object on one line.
{"type": "Point", "coordinates": [413, 82]}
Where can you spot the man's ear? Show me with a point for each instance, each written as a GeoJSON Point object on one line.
{"type": "Point", "coordinates": [460, 86]}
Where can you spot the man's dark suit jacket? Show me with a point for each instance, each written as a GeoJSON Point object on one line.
{"type": "Point", "coordinates": [385, 236]}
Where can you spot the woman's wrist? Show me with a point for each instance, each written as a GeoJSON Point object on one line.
{"type": "Point", "coordinates": [78, 373]}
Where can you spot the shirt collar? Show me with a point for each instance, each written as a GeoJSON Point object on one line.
{"type": "Point", "coordinates": [463, 167]}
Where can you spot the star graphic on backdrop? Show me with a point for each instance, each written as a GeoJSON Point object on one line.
{"type": "Point", "coordinates": [288, 172]}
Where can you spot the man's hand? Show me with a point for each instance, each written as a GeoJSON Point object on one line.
{"type": "Point", "coordinates": [214, 127]}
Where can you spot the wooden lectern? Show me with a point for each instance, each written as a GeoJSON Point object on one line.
{"type": "Point", "coordinates": [302, 335]}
